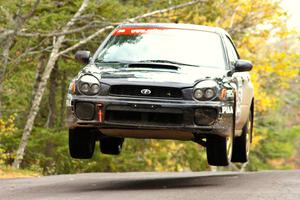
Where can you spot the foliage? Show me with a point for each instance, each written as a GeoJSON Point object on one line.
{"type": "Point", "coordinates": [7, 141]}
{"type": "Point", "coordinates": [272, 72]}
{"type": "Point", "coordinates": [277, 150]}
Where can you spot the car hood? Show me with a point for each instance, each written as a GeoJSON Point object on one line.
{"type": "Point", "coordinates": [184, 76]}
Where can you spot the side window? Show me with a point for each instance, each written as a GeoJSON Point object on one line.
{"type": "Point", "coordinates": [232, 54]}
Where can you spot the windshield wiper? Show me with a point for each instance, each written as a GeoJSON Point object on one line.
{"type": "Point", "coordinates": [112, 61]}
{"type": "Point", "coordinates": [106, 61]}
{"type": "Point", "coordinates": [167, 61]}
{"type": "Point", "coordinates": [142, 61]}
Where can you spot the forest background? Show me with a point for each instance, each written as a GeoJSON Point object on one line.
{"type": "Point", "coordinates": [38, 40]}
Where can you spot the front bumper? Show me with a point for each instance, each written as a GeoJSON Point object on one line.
{"type": "Point", "coordinates": [149, 118]}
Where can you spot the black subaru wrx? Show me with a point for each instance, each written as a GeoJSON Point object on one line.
{"type": "Point", "coordinates": [163, 81]}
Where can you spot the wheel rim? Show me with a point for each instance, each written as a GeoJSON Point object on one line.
{"type": "Point", "coordinates": [229, 142]}
{"type": "Point", "coordinates": [248, 135]}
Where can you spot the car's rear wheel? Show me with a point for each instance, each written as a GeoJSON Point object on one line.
{"type": "Point", "coordinates": [81, 143]}
{"type": "Point", "coordinates": [111, 145]}
{"type": "Point", "coordinates": [241, 144]}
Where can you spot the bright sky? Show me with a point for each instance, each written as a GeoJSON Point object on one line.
{"type": "Point", "coordinates": [293, 9]}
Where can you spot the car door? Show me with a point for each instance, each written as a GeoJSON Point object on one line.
{"type": "Point", "coordinates": [244, 88]}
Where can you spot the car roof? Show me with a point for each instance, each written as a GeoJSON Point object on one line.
{"type": "Point", "coordinates": [179, 26]}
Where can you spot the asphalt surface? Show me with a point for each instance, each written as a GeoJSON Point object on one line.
{"type": "Point", "coordinates": [281, 185]}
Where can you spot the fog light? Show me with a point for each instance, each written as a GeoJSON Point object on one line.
{"type": "Point", "coordinates": [85, 110]}
{"type": "Point", "coordinates": [205, 116]}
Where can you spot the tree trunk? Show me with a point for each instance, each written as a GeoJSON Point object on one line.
{"type": "Point", "coordinates": [38, 77]}
{"type": "Point", "coordinates": [8, 44]}
{"type": "Point", "coordinates": [35, 107]}
{"type": "Point", "coordinates": [63, 98]}
{"type": "Point", "coordinates": [52, 97]}
{"type": "Point", "coordinates": [42, 85]}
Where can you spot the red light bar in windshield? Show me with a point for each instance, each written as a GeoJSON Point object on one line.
{"type": "Point", "coordinates": [135, 30]}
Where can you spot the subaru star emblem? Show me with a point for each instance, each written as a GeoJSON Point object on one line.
{"type": "Point", "coordinates": [146, 91]}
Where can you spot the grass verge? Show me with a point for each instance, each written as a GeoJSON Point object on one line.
{"type": "Point", "coordinates": [9, 172]}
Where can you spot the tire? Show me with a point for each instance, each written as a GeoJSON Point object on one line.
{"type": "Point", "coordinates": [241, 144]}
{"type": "Point", "coordinates": [111, 145]}
{"type": "Point", "coordinates": [81, 143]}
{"type": "Point", "coordinates": [218, 150]}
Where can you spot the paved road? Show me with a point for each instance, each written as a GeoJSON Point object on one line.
{"type": "Point", "coordinates": [281, 185]}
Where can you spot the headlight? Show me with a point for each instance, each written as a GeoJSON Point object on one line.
{"type": "Point", "coordinates": [209, 93]}
{"type": "Point", "coordinates": [84, 88]}
{"type": "Point", "coordinates": [95, 88]}
{"type": "Point", "coordinates": [206, 90]}
{"type": "Point", "coordinates": [89, 85]}
{"type": "Point", "coordinates": [198, 94]}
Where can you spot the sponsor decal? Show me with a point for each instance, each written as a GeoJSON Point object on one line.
{"type": "Point", "coordinates": [227, 110]}
{"type": "Point", "coordinates": [229, 94]}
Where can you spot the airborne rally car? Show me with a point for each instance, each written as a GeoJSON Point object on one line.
{"type": "Point", "coordinates": [163, 81]}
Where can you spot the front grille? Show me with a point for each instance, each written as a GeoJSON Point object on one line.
{"type": "Point", "coordinates": [85, 110]}
{"type": "Point", "coordinates": [136, 90]}
{"type": "Point", "coordinates": [140, 118]}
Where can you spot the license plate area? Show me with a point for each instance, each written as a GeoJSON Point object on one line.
{"type": "Point", "coordinates": [141, 114]}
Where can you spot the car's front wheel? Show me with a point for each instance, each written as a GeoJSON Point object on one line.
{"type": "Point", "coordinates": [111, 145]}
{"type": "Point", "coordinates": [81, 143]}
{"type": "Point", "coordinates": [219, 150]}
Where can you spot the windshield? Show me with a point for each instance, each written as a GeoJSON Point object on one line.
{"type": "Point", "coordinates": [190, 47]}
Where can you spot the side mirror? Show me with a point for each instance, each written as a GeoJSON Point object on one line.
{"type": "Point", "coordinates": [83, 56]}
{"type": "Point", "coordinates": [242, 66]}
